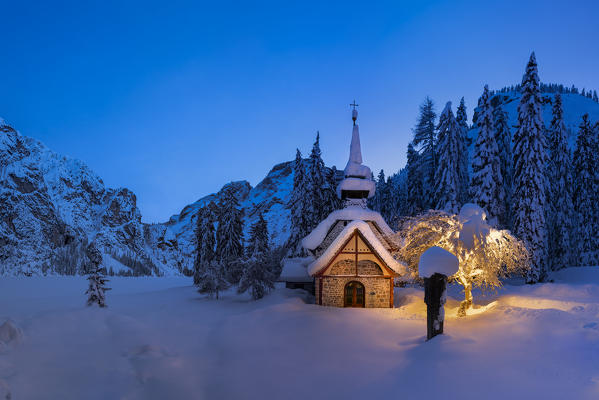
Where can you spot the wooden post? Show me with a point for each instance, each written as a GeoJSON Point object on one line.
{"type": "Point", "coordinates": [434, 297]}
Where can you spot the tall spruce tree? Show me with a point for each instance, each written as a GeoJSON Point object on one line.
{"type": "Point", "coordinates": [463, 159]}
{"type": "Point", "coordinates": [97, 280]}
{"type": "Point", "coordinates": [229, 233]}
{"type": "Point", "coordinates": [559, 196]}
{"type": "Point", "coordinates": [415, 191]}
{"type": "Point", "coordinates": [299, 205]}
{"type": "Point", "coordinates": [258, 240]}
{"type": "Point", "coordinates": [503, 137]}
{"type": "Point", "coordinates": [529, 174]}
{"type": "Point", "coordinates": [385, 199]}
{"type": "Point", "coordinates": [399, 193]}
{"type": "Point", "coordinates": [258, 277]}
{"type": "Point", "coordinates": [487, 183]}
{"type": "Point", "coordinates": [425, 138]}
{"type": "Point", "coordinates": [447, 178]}
{"type": "Point", "coordinates": [205, 241]}
{"type": "Point", "coordinates": [330, 200]}
{"type": "Point", "coordinates": [585, 194]}
{"type": "Point", "coordinates": [380, 200]}
{"type": "Point", "coordinates": [316, 183]}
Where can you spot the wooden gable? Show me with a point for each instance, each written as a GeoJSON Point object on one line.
{"type": "Point", "coordinates": [356, 248]}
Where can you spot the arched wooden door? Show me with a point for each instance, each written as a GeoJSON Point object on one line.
{"type": "Point", "coordinates": [354, 294]}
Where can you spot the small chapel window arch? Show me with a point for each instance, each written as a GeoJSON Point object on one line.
{"type": "Point", "coordinates": [354, 294]}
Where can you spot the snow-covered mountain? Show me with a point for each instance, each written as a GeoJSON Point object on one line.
{"type": "Point", "coordinates": [175, 241]}
{"type": "Point", "coordinates": [51, 206]}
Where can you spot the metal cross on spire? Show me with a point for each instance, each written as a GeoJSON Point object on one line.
{"type": "Point", "coordinates": [354, 112]}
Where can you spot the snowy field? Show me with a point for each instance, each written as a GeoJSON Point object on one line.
{"type": "Point", "coordinates": [159, 339]}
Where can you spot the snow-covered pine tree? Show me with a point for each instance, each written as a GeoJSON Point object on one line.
{"type": "Point", "coordinates": [213, 279]}
{"type": "Point", "coordinates": [316, 182]}
{"type": "Point", "coordinates": [399, 193]}
{"type": "Point", "coordinates": [229, 233]}
{"type": "Point", "coordinates": [205, 241]}
{"type": "Point", "coordinates": [487, 183]}
{"type": "Point", "coordinates": [392, 200]}
{"type": "Point", "coordinates": [258, 240]}
{"type": "Point", "coordinates": [447, 177]}
{"type": "Point", "coordinates": [97, 280]}
{"type": "Point", "coordinates": [415, 191]}
{"type": "Point", "coordinates": [425, 137]}
{"type": "Point", "coordinates": [463, 161]}
{"type": "Point", "coordinates": [258, 275]}
{"type": "Point", "coordinates": [380, 182]}
{"type": "Point", "coordinates": [503, 137]}
{"type": "Point", "coordinates": [329, 192]}
{"type": "Point", "coordinates": [299, 205]}
{"type": "Point", "coordinates": [376, 202]}
{"type": "Point", "coordinates": [585, 194]}
{"type": "Point", "coordinates": [385, 199]}
{"type": "Point", "coordinates": [559, 196]}
{"type": "Point", "coordinates": [595, 97]}
{"type": "Point", "coordinates": [529, 174]}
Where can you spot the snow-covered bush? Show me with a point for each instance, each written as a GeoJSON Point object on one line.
{"type": "Point", "coordinates": [485, 254]}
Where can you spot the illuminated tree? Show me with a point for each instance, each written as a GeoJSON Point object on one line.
{"type": "Point", "coordinates": [485, 254]}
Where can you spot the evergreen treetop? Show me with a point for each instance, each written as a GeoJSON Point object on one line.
{"type": "Point", "coordinates": [447, 177]}
{"type": "Point", "coordinates": [529, 180]}
{"type": "Point", "coordinates": [229, 233]}
{"type": "Point", "coordinates": [487, 183]}
{"type": "Point", "coordinates": [559, 196]}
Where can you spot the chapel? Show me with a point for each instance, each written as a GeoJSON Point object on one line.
{"type": "Point", "coordinates": [351, 262]}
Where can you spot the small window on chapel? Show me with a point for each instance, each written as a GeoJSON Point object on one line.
{"type": "Point", "coordinates": [344, 223]}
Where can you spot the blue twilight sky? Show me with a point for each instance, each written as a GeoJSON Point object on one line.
{"type": "Point", "coordinates": [173, 99]}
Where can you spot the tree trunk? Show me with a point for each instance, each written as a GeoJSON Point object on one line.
{"type": "Point", "coordinates": [467, 303]}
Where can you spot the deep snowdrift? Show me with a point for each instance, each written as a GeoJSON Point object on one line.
{"type": "Point", "coordinates": [159, 339]}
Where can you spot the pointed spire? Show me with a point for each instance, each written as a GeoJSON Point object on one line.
{"type": "Point", "coordinates": [358, 182]}
{"type": "Point", "coordinates": [355, 150]}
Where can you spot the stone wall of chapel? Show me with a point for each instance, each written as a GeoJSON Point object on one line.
{"type": "Point", "coordinates": [377, 291]}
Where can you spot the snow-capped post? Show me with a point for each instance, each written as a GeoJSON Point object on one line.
{"type": "Point", "coordinates": [435, 265]}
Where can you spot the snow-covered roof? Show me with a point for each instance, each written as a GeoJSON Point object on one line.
{"type": "Point", "coordinates": [437, 260]}
{"type": "Point", "coordinates": [315, 238]}
{"type": "Point", "coordinates": [295, 269]}
{"type": "Point", "coordinates": [322, 261]}
{"type": "Point", "coordinates": [356, 184]}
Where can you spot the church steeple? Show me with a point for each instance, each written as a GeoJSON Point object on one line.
{"type": "Point", "coordinates": [355, 150]}
{"type": "Point", "coordinates": [357, 185]}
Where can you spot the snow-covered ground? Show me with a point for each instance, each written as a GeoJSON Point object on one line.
{"type": "Point", "coordinates": [159, 339]}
